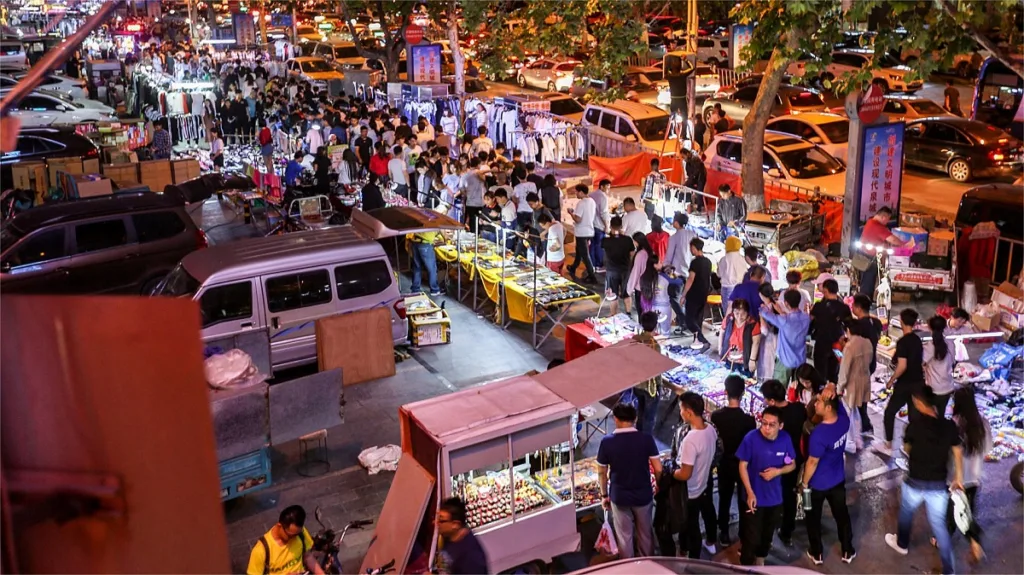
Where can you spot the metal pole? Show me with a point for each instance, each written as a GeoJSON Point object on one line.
{"type": "Point", "coordinates": [501, 281]}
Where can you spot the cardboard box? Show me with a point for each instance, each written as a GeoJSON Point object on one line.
{"type": "Point", "coordinates": [917, 220]}
{"type": "Point", "coordinates": [185, 170]}
{"type": "Point", "coordinates": [899, 261]}
{"type": "Point", "coordinates": [29, 176]}
{"type": "Point", "coordinates": [918, 235]}
{"type": "Point", "coordinates": [70, 165]}
{"type": "Point", "coordinates": [1009, 297]}
{"type": "Point", "coordinates": [156, 174]}
{"type": "Point", "coordinates": [939, 242]}
{"type": "Point", "coordinates": [1011, 320]}
{"type": "Point", "coordinates": [122, 173]}
{"type": "Point", "coordinates": [983, 323]}
{"type": "Point", "coordinates": [91, 166]}
{"type": "Point", "coordinates": [89, 186]}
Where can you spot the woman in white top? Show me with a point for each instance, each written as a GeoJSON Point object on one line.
{"type": "Point", "coordinates": [731, 267]}
{"type": "Point", "coordinates": [349, 168]}
{"type": "Point", "coordinates": [938, 364]}
{"type": "Point", "coordinates": [643, 253]}
{"type": "Point", "coordinates": [449, 123]}
{"type": "Point", "coordinates": [553, 233]}
{"type": "Point", "coordinates": [216, 150]}
{"type": "Point", "coordinates": [976, 436]}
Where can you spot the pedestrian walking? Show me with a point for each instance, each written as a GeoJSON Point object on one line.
{"type": "Point", "coordinates": [695, 462]}
{"type": "Point", "coordinates": [976, 435]}
{"type": "Point", "coordinates": [871, 328]}
{"type": "Point", "coordinates": [931, 443]}
{"type": "Point", "coordinates": [583, 215]}
{"type": "Point", "coordinates": [824, 475]}
{"type": "Point", "coordinates": [695, 293]}
{"type": "Point", "coordinates": [625, 458]}
{"type": "Point", "coordinates": [855, 377]}
{"type": "Point", "coordinates": [732, 424]}
{"type": "Point", "coordinates": [827, 328]}
{"type": "Point", "coordinates": [906, 378]}
{"type": "Point", "coordinates": [938, 364]}
{"type": "Point", "coordinates": [461, 551]}
{"type": "Point", "coordinates": [764, 455]}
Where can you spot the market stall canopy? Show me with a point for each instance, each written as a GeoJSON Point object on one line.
{"type": "Point", "coordinates": [605, 372]}
{"type": "Point", "coordinates": [401, 517]}
{"type": "Point", "coordinates": [456, 417]}
{"type": "Point", "coordinates": [398, 221]}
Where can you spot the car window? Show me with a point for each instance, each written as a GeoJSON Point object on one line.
{"type": "Point", "coordinates": [624, 128]}
{"type": "Point", "coordinates": [226, 302]}
{"type": "Point", "coordinates": [608, 121]}
{"type": "Point", "coordinates": [593, 115]}
{"type": "Point", "coordinates": [296, 291]}
{"type": "Point", "coordinates": [157, 226]}
{"type": "Point", "coordinates": [746, 94]}
{"type": "Point", "coordinates": [30, 145]}
{"type": "Point", "coordinates": [566, 67]}
{"type": "Point", "coordinates": [705, 44]}
{"type": "Point", "coordinates": [36, 103]}
{"type": "Point", "coordinates": [40, 247]}
{"type": "Point", "coordinates": [943, 133]}
{"type": "Point", "coordinates": [7, 83]}
{"type": "Point", "coordinates": [50, 81]}
{"type": "Point", "coordinates": [894, 107]}
{"type": "Point", "coordinates": [916, 130]}
{"type": "Point", "coordinates": [837, 132]}
{"type": "Point", "coordinates": [729, 150]}
{"type": "Point", "coordinates": [927, 108]}
{"type": "Point", "coordinates": [809, 163]}
{"type": "Point", "coordinates": [362, 279]}
{"type": "Point", "coordinates": [102, 235]}
{"type": "Point", "coordinates": [565, 106]}
{"type": "Point", "coordinates": [768, 161]}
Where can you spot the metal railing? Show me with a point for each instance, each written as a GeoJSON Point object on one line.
{"type": "Point", "coordinates": [728, 76]}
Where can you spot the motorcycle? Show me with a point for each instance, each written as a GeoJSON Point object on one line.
{"type": "Point", "coordinates": [326, 545]}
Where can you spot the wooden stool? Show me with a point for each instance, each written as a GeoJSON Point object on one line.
{"type": "Point", "coordinates": [313, 454]}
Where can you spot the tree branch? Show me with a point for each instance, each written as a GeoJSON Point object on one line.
{"type": "Point", "coordinates": [363, 52]}
{"type": "Point", "coordinates": [981, 39]}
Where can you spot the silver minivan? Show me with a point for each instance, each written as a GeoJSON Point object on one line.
{"type": "Point", "coordinates": [285, 283]}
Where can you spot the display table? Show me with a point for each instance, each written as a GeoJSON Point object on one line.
{"type": "Point", "coordinates": [596, 333]}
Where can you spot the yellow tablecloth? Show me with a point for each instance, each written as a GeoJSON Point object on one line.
{"type": "Point", "coordinates": [520, 304]}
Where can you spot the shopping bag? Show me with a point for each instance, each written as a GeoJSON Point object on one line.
{"type": "Point", "coordinates": [961, 510]}
{"type": "Point", "coordinates": [960, 351]}
{"type": "Point", "coordinates": [606, 540]}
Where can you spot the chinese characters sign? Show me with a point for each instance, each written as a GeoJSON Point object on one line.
{"type": "Point", "coordinates": [881, 174]}
{"type": "Point", "coordinates": [741, 34]}
{"type": "Point", "coordinates": [425, 63]}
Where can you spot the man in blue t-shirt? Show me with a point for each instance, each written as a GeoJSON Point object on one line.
{"type": "Point", "coordinates": [825, 474]}
{"type": "Point", "coordinates": [764, 455]}
{"type": "Point", "coordinates": [626, 456]}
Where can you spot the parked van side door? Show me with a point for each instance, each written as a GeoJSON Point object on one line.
{"type": "Point", "coordinates": [39, 263]}
{"type": "Point", "coordinates": [227, 309]}
{"type": "Point", "coordinates": [293, 302]}
{"type": "Point", "coordinates": [366, 285]}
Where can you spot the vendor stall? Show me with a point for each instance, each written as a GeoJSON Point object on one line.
{"type": "Point", "coordinates": [505, 449]}
{"type": "Point", "coordinates": [595, 333]}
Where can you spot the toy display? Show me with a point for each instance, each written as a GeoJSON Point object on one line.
{"type": "Point", "coordinates": [487, 497]}
{"type": "Point", "coordinates": [559, 482]}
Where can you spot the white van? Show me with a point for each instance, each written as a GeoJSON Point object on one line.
{"type": "Point", "coordinates": [285, 283]}
{"type": "Point", "coordinates": [623, 127]}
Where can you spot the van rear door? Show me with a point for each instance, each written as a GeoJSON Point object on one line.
{"type": "Point", "coordinates": [392, 222]}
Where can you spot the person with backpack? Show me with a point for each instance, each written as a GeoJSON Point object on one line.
{"type": "Point", "coordinates": [698, 454]}
{"type": "Point", "coordinates": [285, 548]}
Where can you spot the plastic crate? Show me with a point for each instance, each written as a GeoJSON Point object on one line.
{"type": "Point", "coordinates": [244, 474]}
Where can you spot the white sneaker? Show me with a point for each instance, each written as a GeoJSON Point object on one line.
{"type": "Point", "coordinates": [711, 548]}
{"type": "Point", "coordinates": [892, 541]}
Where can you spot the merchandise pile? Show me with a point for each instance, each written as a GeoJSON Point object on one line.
{"type": "Point", "coordinates": [615, 328]}
{"type": "Point", "coordinates": [696, 372]}
{"type": "Point", "coordinates": [487, 498]}
{"type": "Point", "coordinates": [586, 491]}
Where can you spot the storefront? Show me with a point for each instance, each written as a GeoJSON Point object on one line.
{"type": "Point", "coordinates": [506, 449]}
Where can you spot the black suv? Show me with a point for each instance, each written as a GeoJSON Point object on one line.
{"type": "Point", "coordinates": [124, 243]}
{"type": "Point", "coordinates": [40, 144]}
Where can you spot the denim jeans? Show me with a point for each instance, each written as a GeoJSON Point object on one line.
{"type": "Point", "coordinates": [935, 497]}
{"type": "Point", "coordinates": [726, 291]}
{"type": "Point", "coordinates": [634, 521]}
{"type": "Point", "coordinates": [423, 257]}
{"type": "Point", "coordinates": [596, 250]}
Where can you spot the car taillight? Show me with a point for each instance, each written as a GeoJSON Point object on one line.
{"type": "Point", "coordinates": [400, 308]}
{"type": "Point", "coordinates": [92, 153]}
{"type": "Point", "coordinates": [201, 240]}
{"type": "Point", "coordinates": [996, 155]}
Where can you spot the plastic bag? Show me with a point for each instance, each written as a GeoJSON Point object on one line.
{"type": "Point", "coordinates": [960, 351]}
{"type": "Point", "coordinates": [1000, 355]}
{"type": "Point", "coordinates": [231, 369]}
{"type": "Point", "coordinates": [606, 544]}
{"type": "Point", "coordinates": [376, 459]}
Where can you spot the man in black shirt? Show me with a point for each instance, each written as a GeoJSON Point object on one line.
{"type": "Point", "coordinates": [403, 132]}
{"type": "Point", "coordinates": [794, 415]}
{"type": "Point", "coordinates": [617, 250]}
{"type": "Point", "coordinates": [906, 378]}
{"type": "Point", "coordinates": [695, 293]}
{"type": "Point", "coordinates": [537, 179]}
{"type": "Point", "coordinates": [733, 424]}
{"type": "Point", "coordinates": [462, 552]}
{"type": "Point", "coordinates": [873, 328]}
{"type": "Point", "coordinates": [826, 328]}
{"type": "Point", "coordinates": [930, 440]}
{"type": "Point", "coordinates": [364, 146]}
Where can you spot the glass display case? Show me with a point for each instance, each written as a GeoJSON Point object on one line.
{"type": "Point", "coordinates": [489, 494]}
{"type": "Point", "coordinates": [579, 479]}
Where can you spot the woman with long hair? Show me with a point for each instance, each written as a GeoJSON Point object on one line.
{"type": "Point", "coordinates": [938, 364]}
{"type": "Point", "coordinates": [348, 170]}
{"type": "Point", "coordinates": [640, 258]}
{"type": "Point", "coordinates": [976, 436]}
{"type": "Point", "coordinates": [658, 238]}
{"type": "Point", "coordinates": [654, 294]}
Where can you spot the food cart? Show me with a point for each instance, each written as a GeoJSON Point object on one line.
{"type": "Point", "coordinates": [786, 225]}
{"type": "Point", "coordinates": [505, 449]}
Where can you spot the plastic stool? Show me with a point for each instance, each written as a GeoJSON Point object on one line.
{"type": "Point", "coordinates": [313, 454]}
{"type": "Point", "coordinates": [715, 302]}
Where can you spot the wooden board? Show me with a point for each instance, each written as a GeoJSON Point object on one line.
{"type": "Point", "coordinates": [122, 173]}
{"type": "Point", "coordinates": [88, 386]}
{"type": "Point", "coordinates": [400, 519]}
{"type": "Point", "coordinates": [360, 343]}
{"type": "Point", "coordinates": [156, 174]}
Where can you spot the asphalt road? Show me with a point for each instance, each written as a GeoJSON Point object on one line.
{"type": "Point", "coordinates": [923, 191]}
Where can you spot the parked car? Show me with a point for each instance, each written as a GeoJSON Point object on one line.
{"type": "Point", "coordinates": [39, 144]}
{"type": "Point", "coordinates": [314, 70]}
{"type": "Point", "coordinates": [964, 149]}
{"type": "Point", "coordinates": [789, 100]}
{"type": "Point", "coordinates": [747, 81]}
{"type": "Point", "coordinates": [308, 33]}
{"type": "Point", "coordinates": [903, 107]}
{"type": "Point", "coordinates": [666, 25]}
{"type": "Point", "coordinates": [628, 122]}
{"type": "Point", "coordinates": [343, 55]}
{"type": "Point", "coordinates": [285, 283]}
{"type": "Point", "coordinates": [45, 108]}
{"type": "Point", "coordinates": [72, 87]}
{"type": "Point", "coordinates": [564, 106]}
{"type": "Point", "coordinates": [548, 74]}
{"type": "Point", "coordinates": [113, 244]}
{"type": "Point", "coordinates": [830, 131]}
{"type": "Point", "coordinates": [12, 55]}
{"type": "Point", "coordinates": [892, 76]}
{"type": "Point", "coordinates": [786, 158]}
{"type": "Point", "coordinates": [707, 80]}
{"type": "Point", "coordinates": [644, 82]}
{"type": "Point", "coordinates": [713, 50]}
{"type": "Point", "coordinates": [796, 68]}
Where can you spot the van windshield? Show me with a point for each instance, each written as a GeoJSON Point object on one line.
{"type": "Point", "coordinates": [178, 283]}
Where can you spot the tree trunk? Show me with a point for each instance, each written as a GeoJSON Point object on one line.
{"type": "Point", "coordinates": [752, 171]}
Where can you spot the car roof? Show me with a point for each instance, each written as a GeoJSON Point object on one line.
{"type": "Point", "coordinates": [951, 120]}
{"type": "Point", "coordinates": [338, 42]}
{"type": "Point", "coordinates": [789, 88]}
{"type": "Point", "coordinates": [1000, 193]}
{"type": "Point", "coordinates": [812, 118]}
{"type": "Point", "coordinates": [254, 257]}
{"type": "Point", "coordinates": [35, 218]}
{"type": "Point", "coordinates": [635, 110]}
{"type": "Point", "coordinates": [778, 141]}
{"type": "Point", "coordinates": [866, 52]}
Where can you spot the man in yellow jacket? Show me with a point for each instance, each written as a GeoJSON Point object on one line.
{"type": "Point", "coordinates": [285, 548]}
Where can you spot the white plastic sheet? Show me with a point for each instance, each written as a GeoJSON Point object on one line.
{"type": "Point", "coordinates": [376, 459]}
